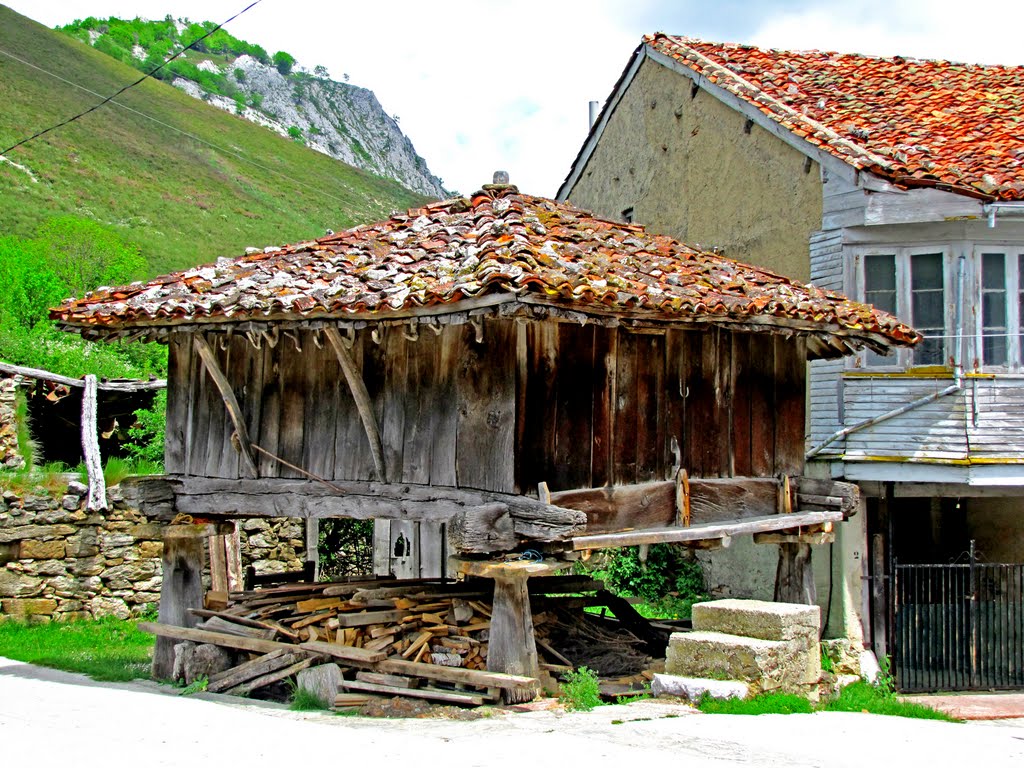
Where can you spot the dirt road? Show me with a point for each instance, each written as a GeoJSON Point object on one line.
{"type": "Point", "coordinates": [50, 718]}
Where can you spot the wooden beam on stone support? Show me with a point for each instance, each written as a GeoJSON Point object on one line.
{"type": "Point", "coordinates": [361, 396]}
{"type": "Point", "coordinates": [97, 499]}
{"type": "Point", "coordinates": [244, 445]}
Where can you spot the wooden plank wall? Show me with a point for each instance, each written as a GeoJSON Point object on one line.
{"type": "Point", "coordinates": [575, 406]}
{"type": "Point", "coordinates": [611, 408]}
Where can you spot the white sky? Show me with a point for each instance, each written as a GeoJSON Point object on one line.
{"type": "Point", "coordinates": [491, 84]}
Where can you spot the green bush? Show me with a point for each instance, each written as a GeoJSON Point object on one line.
{"type": "Point", "coordinates": [284, 62]}
{"type": "Point", "coordinates": [581, 690]}
{"type": "Point", "coordinates": [668, 569]}
{"type": "Point", "coordinates": [148, 432]}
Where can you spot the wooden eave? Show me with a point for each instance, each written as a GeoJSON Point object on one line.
{"type": "Point", "coordinates": [824, 341]}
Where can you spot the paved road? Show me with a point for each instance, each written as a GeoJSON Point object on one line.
{"type": "Point", "coordinates": [50, 718]}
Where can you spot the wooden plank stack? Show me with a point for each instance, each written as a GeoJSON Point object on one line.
{"type": "Point", "coordinates": [425, 639]}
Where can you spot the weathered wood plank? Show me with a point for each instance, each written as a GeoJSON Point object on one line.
{"type": "Point", "coordinates": [295, 384]}
{"type": "Point", "coordinates": [538, 370]}
{"type": "Point", "coordinates": [212, 367]}
{"type": "Point", "coordinates": [444, 414]}
{"type": "Point", "coordinates": [573, 426]}
{"type": "Point", "coordinates": [485, 389]}
{"type": "Point", "coordinates": [791, 374]}
{"type": "Point", "coordinates": [512, 648]}
{"type": "Point", "coordinates": [762, 405]}
{"type": "Point", "coordinates": [676, 350]}
{"type": "Point", "coordinates": [361, 396]}
{"type": "Point", "coordinates": [604, 395]}
{"type": "Point", "coordinates": [650, 421]}
{"type": "Point", "coordinates": [395, 393]}
{"type": "Point", "coordinates": [626, 408]}
{"type": "Point", "coordinates": [750, 525]}
{"type": "Point", "coordinates": [420, 407]}
{"type": "Point", "coordinates": [432, 694]}
{"type": "Point", "coordinates": [179, 372]}
{"type": "Point", "coordinates": [651, 505]}
{"type": "Point", "coordinates": [270, 421]}
{"type": "Point", "coordinates": [745, 379]}
{"type": "Point", "coordinates": [794, 577]}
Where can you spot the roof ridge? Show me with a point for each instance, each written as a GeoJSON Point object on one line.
{"type": "Point", "coordinates": [717, 68]}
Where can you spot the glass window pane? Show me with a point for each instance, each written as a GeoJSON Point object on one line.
{"type": "Point", "coordinates": [994, 340]}
{"type": "Point", "coordinates": [880, 291]}
{"type": "Point", "coordinates": [928, 307]}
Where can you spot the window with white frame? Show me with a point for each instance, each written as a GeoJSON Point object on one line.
{"type": "Point", "coordinates": [1000, 321]}
{"type": "Point", "coordinates": [911, 284]}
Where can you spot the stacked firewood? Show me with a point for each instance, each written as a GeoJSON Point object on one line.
{"type": "Point", "coordinates": [416, 638]}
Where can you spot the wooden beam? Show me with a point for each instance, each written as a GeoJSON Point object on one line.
{"type": "Point", "coordinates": [652, 505]}
{"type": "Point", "coordinates": [163, 497]}
{"type": "Point", "coordinates": [91, 448]}
{"type": "Point", "coordinates": [361, 396]}
{"type": "Point", "coordinates": [103, 386]}
{"type": "Point", "coordinates": [230, 401]}
{"type": "Point", "coordinates": [761, 524]}
{"type": "Point", "coordinates": [181, 590]}
{"type": "Point", "coordinates": [794, 578]}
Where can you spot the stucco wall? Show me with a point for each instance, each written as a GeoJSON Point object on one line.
{"type": "Point", "coordinates": [996, 525]}
{"type": "Point", "coordinates": [688, 170]}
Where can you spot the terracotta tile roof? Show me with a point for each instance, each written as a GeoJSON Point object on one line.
{"type": "Point", "coordinates": [530, 249]}
{"type": "Point", "coordinates": [912, 121]}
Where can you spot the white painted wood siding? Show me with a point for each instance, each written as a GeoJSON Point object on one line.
{"type": "Point", "coordinates": [824, 375]}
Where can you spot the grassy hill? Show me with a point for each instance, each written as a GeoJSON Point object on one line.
{"type": "Point", "coordinates": [184, 181]}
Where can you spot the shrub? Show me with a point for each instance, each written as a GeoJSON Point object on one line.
{"type": "Point", "coordinates": [581, 691]}
{"type": "Point", "coordinates": [148, 432]}
{"type": "Point", "coordinates": [284, 62]}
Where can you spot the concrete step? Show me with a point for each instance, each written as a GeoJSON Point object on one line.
{"type": "Point", "coordinates": [758, 618]}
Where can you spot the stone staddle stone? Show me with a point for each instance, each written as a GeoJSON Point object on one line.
{"type": "Point", "coordinates": [763, 664]}
{"type": "Point", "coordinates": [760, 619]}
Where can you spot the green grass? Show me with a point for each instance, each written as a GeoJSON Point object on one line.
{"type": "Point", "coordinates": [182, 201]}
{"type": "Point", "coordinates": [858, 697]}
{"type": "Point", "coordinates": [304, 700]}
{"type": "Point", "coordinates": [105, 649]}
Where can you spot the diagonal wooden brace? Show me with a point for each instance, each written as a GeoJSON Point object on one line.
{"type": "Point", "coordinates": [230, 401]}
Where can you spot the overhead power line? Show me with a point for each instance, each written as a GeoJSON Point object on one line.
{"type": "Point", "coordinates": [146, 76]}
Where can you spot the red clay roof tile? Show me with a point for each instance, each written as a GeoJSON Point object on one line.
{"type": "Point", "coordinates": [914, 122]}
{"type": "Point", "coordinates": [502, 241]}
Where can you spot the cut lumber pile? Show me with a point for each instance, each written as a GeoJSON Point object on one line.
{"type": "Point", "coordinates": [425, 639]}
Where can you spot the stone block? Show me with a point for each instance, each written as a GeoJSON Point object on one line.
{"type": "Point", "coordinates": [148, 532]}
{"type": "Point", "coordinates": [70, 502]}
{"type": "Point", "coordinates": [82, 544]}
{"type": "Point", "coordinates": [21, 532]}
{"type": "Point", "coordinates": [109, 606]}
{"type": "Point", "coordinates": [321, 681]}
{"type": "Point", "coordinates": [765, 665]}
{"type": "Point", "coordinates": [14, 584]}
{"type": "Point", "coordinates": [151, 549]}
{"type": "Point", "coordinates": [758, 618]}
{"type": "Point", "coordinates": [46, 568]}
{"type": "Point", "coordinates": [28, 606]}
{"type": "Point", "coordinates": [694, 688]}
{"type": "Point", "coordinates": [42, 550]}
{"type": "Point", "coordinates": [88, 566]}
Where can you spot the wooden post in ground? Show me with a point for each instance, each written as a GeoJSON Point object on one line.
{"type": "Point", "coordinates": [794, 578]}
{"type": "Point", "coordinates": [512, 647]}
{"type": "Point", "coordinates": [182, 587]}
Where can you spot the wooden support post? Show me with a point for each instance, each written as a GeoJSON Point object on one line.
{"type": "Point", "coordinates": [244, 445]}
{"type": "Point", "coordinates": [225, 561]}
{"type": "Point", "coordinates": [794, 579]}
{"type": "Point", "coordinates": [512, 647]}
{"type": "Point", "coordinates": [91, 447]}
{"type": "Point", "coordinates": [182, 589]}
{"type": "Point", "coordinates": [362, 399]}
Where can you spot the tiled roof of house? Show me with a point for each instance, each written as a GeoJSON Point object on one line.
{"type": "Point", "coordinates": [915, 122]}
{"type": "Point", "coordinates": [530, 249]}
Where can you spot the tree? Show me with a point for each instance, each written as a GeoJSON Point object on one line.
{"type": "Point", "coordinates": [321, 71]}
{"type": "Point", "coordinates": [284, 62]}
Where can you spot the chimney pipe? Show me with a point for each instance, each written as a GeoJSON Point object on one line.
{"type": "Point", "coordinates": [593, 113]}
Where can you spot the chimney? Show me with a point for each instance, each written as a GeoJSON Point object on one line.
{"type": "Point", "coordinates": [500, 177]}
{"type": "Point", "coordinates": [593, 113]}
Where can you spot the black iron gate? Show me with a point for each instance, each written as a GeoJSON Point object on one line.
{"type": "Point", "coordinates": [958, 626]}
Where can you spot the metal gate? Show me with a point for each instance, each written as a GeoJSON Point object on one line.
{"type": "Point", "coordinates": [958, 626]}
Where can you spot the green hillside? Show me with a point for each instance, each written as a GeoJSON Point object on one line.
{"type": "Point", "coordinates": [152, 174]}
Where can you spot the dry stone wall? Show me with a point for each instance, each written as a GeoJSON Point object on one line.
{"type": "Point", "coordinates": [58, 561]}
{"type": "Point", "coordinates": [9, 456]}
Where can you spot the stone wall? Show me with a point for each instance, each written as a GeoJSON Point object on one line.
{"type": "Point", "coordinates": [59, 561]}
{"type": "Point", "coordinates": [9, 456]}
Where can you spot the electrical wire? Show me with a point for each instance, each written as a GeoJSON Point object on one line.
{"type": "Point", "coordinates": [146, 76]}
{"type": "Point", "coordinates": [174, 128]}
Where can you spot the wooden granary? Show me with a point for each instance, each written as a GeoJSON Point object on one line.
{"type": "Point", "coordinates": [501, 372]}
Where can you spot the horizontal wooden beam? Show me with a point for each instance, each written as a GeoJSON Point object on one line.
{"type": "Point", "coordinates": [102, 386]}
{"type": "Point", "coordinates": [163, 497]}
{"type": "Point", "coordinates": [761, 524]}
